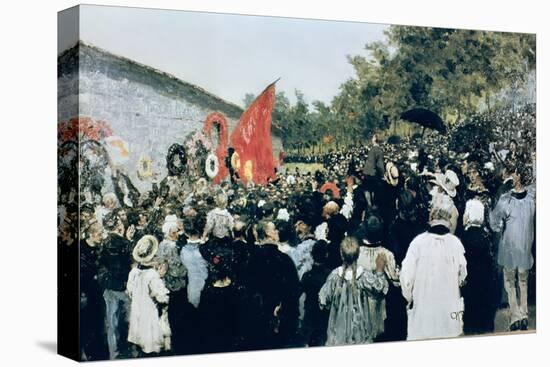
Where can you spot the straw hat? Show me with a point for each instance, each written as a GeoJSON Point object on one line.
{"type": "Point", "coordinates": [145, 250]}
{"type": "Point", "coordinates": [392, 174]}
{"type": "Point", "coordinates": [448, 182]}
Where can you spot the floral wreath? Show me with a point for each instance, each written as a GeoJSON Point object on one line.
{"type": "Point", "coordinates": [212, 166]}
{"type": "Point", "coordinates": [144, 167]}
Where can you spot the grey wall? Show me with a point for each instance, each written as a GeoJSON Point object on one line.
{"type": "Point", "coordinates": [137, 104]}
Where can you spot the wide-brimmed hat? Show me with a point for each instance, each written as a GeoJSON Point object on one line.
{"type": "Point", "coordinates": [448, 182]}
{"type": "Point", "coordinates": [392, 174]}
{"type": "Point", "coordinates": [145, 250]}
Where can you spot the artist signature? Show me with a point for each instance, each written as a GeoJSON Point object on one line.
{"type": "Point", "coordinates": [457, 315]}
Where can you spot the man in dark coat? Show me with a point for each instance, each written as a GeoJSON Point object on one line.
{"type": "Point", "coordinates": [114, 266]}
{"type": "Point", "coordinates": [337, 226]}
{"type": "Point", "coordinates": [402, 231]}
{"type": "Point", "coordinates": [315, 319]}
{"type": "Point", "coordinates": [373, 170]}
{"type": "Point", "coordinates": [273, 289]}
{"type": "Point", "coordinates": [480, 291]}
{"type": "Point", "coordinates": [92, 307]}
{"type": "Point", "coordinates": [222, 305]}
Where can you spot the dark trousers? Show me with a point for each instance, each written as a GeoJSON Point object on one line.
{"type": "Point", "coordinates": [177, 309]}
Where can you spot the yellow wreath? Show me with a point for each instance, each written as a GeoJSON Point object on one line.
{"type": "Point", "coordinates": [144, 167]}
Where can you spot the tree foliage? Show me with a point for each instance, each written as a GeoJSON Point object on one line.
{"type": "Point", "coordinates": [450, 71]}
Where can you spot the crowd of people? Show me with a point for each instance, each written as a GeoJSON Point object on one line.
{"type": "Point", "coordinates": [388, 242]}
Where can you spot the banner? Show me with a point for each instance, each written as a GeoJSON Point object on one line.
{"type": "Point", "coordinates": [251, 139]}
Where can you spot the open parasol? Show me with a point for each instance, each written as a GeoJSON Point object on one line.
{"type": "Point", "coordinates": [425, 118]}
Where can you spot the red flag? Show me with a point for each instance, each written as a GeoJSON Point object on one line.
{"type": "Point", "coordinates": [251, 139]}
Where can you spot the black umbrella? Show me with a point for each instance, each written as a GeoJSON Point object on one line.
{"type": "Point", "coordinates": [425, 118]}
{"type": "Point", "coordinates": [394, 139]}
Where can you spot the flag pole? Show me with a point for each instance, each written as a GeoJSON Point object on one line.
{"type": "Point", "coordinates": [266, 88]}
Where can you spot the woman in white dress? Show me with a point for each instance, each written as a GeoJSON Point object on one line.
{"type": "Point", "coordinates": [147, 293]}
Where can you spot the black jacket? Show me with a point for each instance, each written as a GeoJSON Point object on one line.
{"type": "Point", "coordinates": [115, 259]}
{"type": "Point", "coordinates": [374, 166]}
{"type": "Point", "coordinates": [272, 279]}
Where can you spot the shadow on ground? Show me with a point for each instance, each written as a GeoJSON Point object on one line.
{"type": "Point", "coordinates": [502, 319]}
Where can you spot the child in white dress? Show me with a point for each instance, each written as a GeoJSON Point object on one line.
{"type": "Point", "coordinates": [147, 293]}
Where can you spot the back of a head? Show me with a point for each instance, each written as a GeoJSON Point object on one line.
{"type": "Point", "coordinates": [239, 229]}
{"type": "Point", "coordinates": [221, 200]}
{"type": "Point", "coordinates": [261, 230]}
{"type": "Point", "coordinates": [193, 225]}
{"type": "Point", "coordinates": [285, 229]}
{"type": "Point", "coordinates": [349, 250]}
{"type": "Point", "coordinates": [319, 251]}
{"type": "Point", "coordinates": [405, 203]}
{"type": "Point", "coordinates": [441, 211]}
{"type": "Point", "coordinates": [373, 229]}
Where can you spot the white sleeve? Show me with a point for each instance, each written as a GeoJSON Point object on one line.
{"type": "Point", "coordinates": [131, 283]}
{"type": "Point", "coordinates": [390, 268]}
{"type": "Point", "coordinates": [462, 268]}
{"type": "Point", "coordinates": [158, 290]}
{"type": "Point", "coordinates": [408, 272]}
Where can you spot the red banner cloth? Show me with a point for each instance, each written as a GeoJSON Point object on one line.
{"type": "Point", "coordinates": [251, 139]}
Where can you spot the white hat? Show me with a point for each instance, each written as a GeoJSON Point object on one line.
{"type": "Point", "coordinates": [448, 182]}
{"type": "Point", "coordinates": [171, 221]}
{"type": "Point", "coordinates": [145, 250]}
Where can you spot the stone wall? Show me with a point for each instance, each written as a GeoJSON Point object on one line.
{"type": "Point", "coordinates": [148, 109]}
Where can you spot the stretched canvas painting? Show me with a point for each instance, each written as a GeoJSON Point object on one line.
{"type": "Point", "coordinates": [236, 183]}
